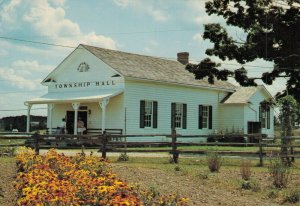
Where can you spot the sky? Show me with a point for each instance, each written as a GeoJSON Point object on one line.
{"type": "Point", "coordinates": [160, 28]}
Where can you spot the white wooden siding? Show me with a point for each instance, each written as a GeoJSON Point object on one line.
{"type": "Point", "coordinates": [232, 118]}
{"type": "Point", "coordinates": [67, 70]}
{"type": "Point", "coordinates": [254, 116]}
{"type": "Point", "coordinates": [166, 94]}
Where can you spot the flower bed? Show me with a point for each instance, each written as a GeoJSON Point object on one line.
{"type": "Point", "coordinates": [56, 179]}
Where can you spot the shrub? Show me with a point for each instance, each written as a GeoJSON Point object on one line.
{"type": "Point", "coordinates": [214, 161]}
{"type": "Point", "coordinates": [292, 196]}
{"type": "Point", "coordinates": [279, 172]}
{"type": "Point", "coordinates": [123, 157]}
{"type": "Point", "coordinates": [177, 168]}
{"type": "Point", "coordinates": [153, 197]}
{"type": "Point", "coordinates": [250, 185]}
{"type": "Point", "coordinates": [245, 169]}
{"type": "Point", "coordinates": [204, 176]}
{"type": "Point", "coordinates": [246, 185]}
{"type": "Point", "coordinates": [272, 194]}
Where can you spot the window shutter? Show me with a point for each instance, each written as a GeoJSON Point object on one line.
{"type": "Point", "coordinates": [268, 118]}
{"type": "Point", "coordinates": [210, 118]}
{"type": "Point", "coordinates": [142, 113]}
{"type": "Point", "coordinates": [200, 121]}
{"type": "Point", "coordinates": [260, 116]}
{"type": "Point", "coordinates": [154, 114]}
{"type": "Point", "coordinates": [173, 108]}
{"type": "Point", "coordinates": [184, 120]}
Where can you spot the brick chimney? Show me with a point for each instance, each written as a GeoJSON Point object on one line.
{"type": "Point", "coordinates": [183, 57]}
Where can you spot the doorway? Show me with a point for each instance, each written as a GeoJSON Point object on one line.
{"type": "Point", "coordinates": [254, 128]}
{"type": "Point", "coordinates": [70, 120]}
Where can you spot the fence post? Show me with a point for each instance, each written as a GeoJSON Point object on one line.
{"type": "Point", "coordinates": [260, 151]}
{"type": "Point", "coordinates": [36, 143]}
{"type": "Point", "coordinates": [292, 154]}
{"type": "Point", "coordinates": [174, 146]}
{"type": "Point", "coordinates": [104, 142]}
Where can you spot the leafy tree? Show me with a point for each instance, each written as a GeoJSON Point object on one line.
{"type": "Point", "coordinates": [288, 111]}
{"type": "Point", "coordinates": [272, 29]}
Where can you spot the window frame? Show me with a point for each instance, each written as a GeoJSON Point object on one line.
{"type": "Point", "coordinates": [265, 117]}
{"type": "Point", "coordinates": [205, 122]}
{"type": "Point", "coordinates": [148, 122]}
{"type": "Point", "coordinates": [145, 121]}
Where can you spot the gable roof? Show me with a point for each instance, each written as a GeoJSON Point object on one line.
{"type": "Point", "coordinates": [152, 68]}
{"type": "Point", "coordinates": [242, 95]}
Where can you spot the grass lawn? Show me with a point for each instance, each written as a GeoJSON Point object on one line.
{"type": "Point", "coordinates": [192, 178]}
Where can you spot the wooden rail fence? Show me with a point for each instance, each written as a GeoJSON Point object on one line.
{"type": "Point", "coordinates": [118, 143]}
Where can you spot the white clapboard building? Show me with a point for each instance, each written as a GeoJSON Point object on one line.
{"type": "Point", "coordinates": [136, 94]}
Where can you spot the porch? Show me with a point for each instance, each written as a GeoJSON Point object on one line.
{"type": "Point", "coordinates": [94, 109]}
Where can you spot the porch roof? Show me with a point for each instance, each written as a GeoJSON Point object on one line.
{"type": "Point", "coordinates": [72, 97]}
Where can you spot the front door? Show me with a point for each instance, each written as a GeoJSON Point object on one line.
{"type": "Point", "coordinates": [254, 128]}
{"type": "Point", "coordinates": [70, 120]}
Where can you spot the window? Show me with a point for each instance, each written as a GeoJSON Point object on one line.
{"type": "Point", "coordinates": [205, 117]}
{"type": "Point", "coordinates": [178, 115]}
{"type": "Point", "coordinates": [264, 116]}
{"type": "Point", "coordinates": [148, 114]}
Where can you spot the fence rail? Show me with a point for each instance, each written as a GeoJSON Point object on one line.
{"type": "Point", "coordinates": [117, 143]}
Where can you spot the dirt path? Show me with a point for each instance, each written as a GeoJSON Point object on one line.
{"type": "Point", "coordinates": [7, 177]}
{"type": "Point", "coordinates": [200, 192]}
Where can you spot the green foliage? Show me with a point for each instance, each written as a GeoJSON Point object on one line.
{"type": "Point", "coordinates": [266, 26]}
{"type": "Point", "coordinates": [288, 110]}
{"type": "Point", "coordinates": [7, 151]}
{"type": "Point", "coordinates": [250, 185]}
{"type": "Point", "coordinates": [214, 161]}
{"type": "Point", "coordinates": [292, 196]}
{"type": "Point", "coordinates": [272, 194]}
{"type": "Point", "coordinates": [204, 176]}
{"type": "Point", "coordinates": [19, 122]}
{"type": "Point", "coordinates": [279, 172]}
{"type": "Point", "coordinates": [246, 185]}
{"type": "Point", "coordinates": [177, 168]}
{"type": "Point", "coordinates": [123, 157]}
{"type": "Point", "coordinates": [245, 170]}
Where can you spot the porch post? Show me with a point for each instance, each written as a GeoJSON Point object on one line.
{"type": "Point", "coordinates": [50, 107]}
{"type": "Point", "coordinates": [103, 105]}
{"type": "Point", "coordinates": [75, 107]}
{"type": "Point", "coordinates": [28, 117]}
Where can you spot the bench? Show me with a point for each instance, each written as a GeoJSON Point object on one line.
{"type": "Point", "coordinates": [95, 131]}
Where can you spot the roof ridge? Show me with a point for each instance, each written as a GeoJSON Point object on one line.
{"type": "Point", "coordinates": [130, 53]}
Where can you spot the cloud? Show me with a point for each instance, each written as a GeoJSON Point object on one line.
{"type": "Point", "coordinates": [8, 14]}
{"type": "Point", "coordinates": [32, 66]}
{"type": "Point", "coordinates": [197, 13]}
{"type": "Point", "coordinates": [16, 80]}
{"type": "Point", "coordinates": [47, 18]}
{"type": "Point", "coordinates": [21, 74]}
{"type": "Point", "coordinates": [198, 37]}
{"type": "Point", "coordinates": [149, 7]}
{"type": "Point", "coordinates": [91, 39]}
{"type": "Point", "coordinates": [49, 21]}
{"type": "Point", "coordinates": [3, 52]}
